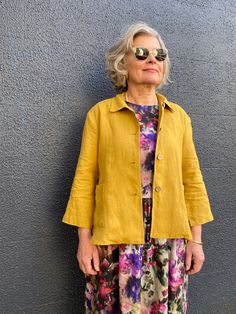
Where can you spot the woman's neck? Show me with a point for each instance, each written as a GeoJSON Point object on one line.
{"type": "Point", "coordinates": [145, 96]}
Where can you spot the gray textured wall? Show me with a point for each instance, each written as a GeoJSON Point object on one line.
{"type": "Point", "coordinates": [52, 67]}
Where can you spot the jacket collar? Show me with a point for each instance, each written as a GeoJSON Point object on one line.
{"type": "Point", "coordinates": [118, 102]}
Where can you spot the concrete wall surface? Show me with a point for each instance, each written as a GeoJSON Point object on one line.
{"type": "Point", "coordinates": [52, 72]}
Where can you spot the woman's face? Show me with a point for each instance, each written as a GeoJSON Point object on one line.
{"type": "Point", "coordinates": [144, 72]}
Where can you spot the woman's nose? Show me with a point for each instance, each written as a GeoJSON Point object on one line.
{"type": "Point", "coordinates": [151, 58]}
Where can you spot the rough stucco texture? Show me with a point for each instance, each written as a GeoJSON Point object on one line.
{"type": "Point", "coordinates": [52, 72]}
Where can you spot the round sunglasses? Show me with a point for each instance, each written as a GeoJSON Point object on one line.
{"type": "Point", "coordinates": [142, 53]}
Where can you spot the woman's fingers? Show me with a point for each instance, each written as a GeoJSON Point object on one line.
{"type": "Point", "coordinates": [196, 267]}
{"type": "Point", "coordinates": [88, 259]}
{"type": "Point", "coordinates": [88, 267]}
{"type": "Point", "coordinates": [95, 259]}
{"type": "Point", "coordinates": [194, 258]}
{"type": "Point", "coordinates": [188, 260]}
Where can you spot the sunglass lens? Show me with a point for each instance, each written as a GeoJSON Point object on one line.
{"type": "Point", "coordinates": [141, 53]}
{"type": "Point", "coordinates": [160, 54]}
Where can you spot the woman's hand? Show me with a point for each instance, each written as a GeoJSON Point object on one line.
{"type": "Point", "coordinates": [87, 254]}
{"type": "Point", "coordinates": [194, 258]}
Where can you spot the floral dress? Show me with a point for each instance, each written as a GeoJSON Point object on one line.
{"type": "Point", "coordinates": [147, 278]}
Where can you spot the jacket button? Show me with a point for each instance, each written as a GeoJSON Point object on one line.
{"type": "Point", "coordinates": [157, 188]}
{"type": "Point", "coordinates": [159, 157]}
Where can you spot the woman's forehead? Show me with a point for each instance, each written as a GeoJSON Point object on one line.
{"type": "Point", "coordinates": [145, 40]}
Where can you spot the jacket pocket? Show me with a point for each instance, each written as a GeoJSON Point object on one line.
{"type": "Point", "coordinates": [99, 212]}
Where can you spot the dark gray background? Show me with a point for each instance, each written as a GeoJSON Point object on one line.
{"type": "Point", "coordinates": [52, 72]}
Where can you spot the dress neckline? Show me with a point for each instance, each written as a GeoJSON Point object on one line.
{"type": "Point", "coordinates": [141, 105]}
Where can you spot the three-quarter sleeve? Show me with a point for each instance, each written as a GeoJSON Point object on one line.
{"type": "Point", "coordinates": [80, 207]}
{"type": "Point", "coordinates": [196, 198]}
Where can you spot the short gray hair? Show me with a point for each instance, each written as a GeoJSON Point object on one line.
{"type": "Point", "coordinates": [115, 57]}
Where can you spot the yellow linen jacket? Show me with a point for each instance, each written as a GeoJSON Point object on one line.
{"type": "Point", "coordinates": [106, 191]}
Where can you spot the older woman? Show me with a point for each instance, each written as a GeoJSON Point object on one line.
{"type": "Point", "coordinates": [138, 196]}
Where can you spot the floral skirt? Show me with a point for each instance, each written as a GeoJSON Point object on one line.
{"type": "Point", "coordinates": [147, 278]}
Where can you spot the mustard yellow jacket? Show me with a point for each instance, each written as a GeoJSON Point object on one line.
{"type": "Point", "coordinates": [106, 191]}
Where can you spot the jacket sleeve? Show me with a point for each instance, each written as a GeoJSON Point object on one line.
{"type": "Point", "coordinates": [80, 207]}
{"type": "Point", "coordinates": [196, 198]}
